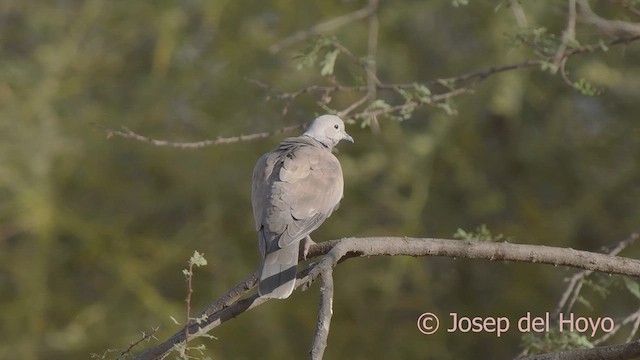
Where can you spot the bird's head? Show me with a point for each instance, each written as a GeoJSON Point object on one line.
{"type": "Point", "coordinates": [328, 129]}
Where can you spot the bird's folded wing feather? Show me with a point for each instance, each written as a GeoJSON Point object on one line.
{"type": "Point", "coordinates": [295, 188]}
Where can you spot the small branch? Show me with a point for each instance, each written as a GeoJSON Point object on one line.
{"type": "Point", "coordinates": [372, 48]}
{"type": "Point", "coordinates": [352, 107]}
{"type": "Point", "coordinates": [145, 337]}
{"type": "Point", "coordinates": [411, 104]}
{"type": "Point", "coordinates": [568, 35]}
{"type": "Point", "coordinates": [325, 312]}
{"type": "Point", "coordinates": [483, 74]}
{"type": "Point", "coordinates": [518, 13]}
{"type": "Point", "coordinates": [575, 282]}
{"type": "Point", "coordinates": [625, 4]}
{"type": "Point", "coordinates": [610, 27]}
{"type": "Point", "coordinates": [618, 352]}
{"type": "Point", "coordinates": [598, 46]}
{"type": "Point", "coordinates": [635, 317]}
{"type": "Point", "coordinates": [636, 325]}
{"type": "Point", "coordinates": [129, 134]}
{"type": "Point", "coordinates": [562, 66]}
{"type": "Point", "coordinates": [188, 301]}
{"type": "Point", "coordinates": [476, 76]}
{"type": "Point", "coordinates": [321, 28]}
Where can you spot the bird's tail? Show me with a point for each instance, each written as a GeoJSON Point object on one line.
{"type": "Point", "coordinates": [278, 274]}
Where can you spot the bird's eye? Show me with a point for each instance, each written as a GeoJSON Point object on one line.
{"type": "Point", "coordinates": [336, 126]}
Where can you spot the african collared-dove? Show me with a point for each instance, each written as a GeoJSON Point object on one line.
{"type": "Point", "coordinates": [295, 188]}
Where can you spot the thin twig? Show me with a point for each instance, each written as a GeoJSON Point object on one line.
{"type": "Point", "coordinates": [634, 329]}
{"type": "Point", "coordinates": [485, 73]}
{"type": "Point", "coordinates": [607, 26]}
{"type": "Point", "coordinates": [129, 134]}
{"type": "Point", "coordinates": [145, 337]}
{"type": "Point", "coordinates": [598, 46]}
{"type": "Point", "coordinates": [352, 107]}
{"type": "Point", "coordinates": [475, 76]}
{"type": "Point", "coordinates": [372, 48]}
{"type": "Point", "coordinates": [518, 13]}
{"type": "Point", "coordinates": [618, 352]}
{"type": "Point", "coordinates": [321, 28]}
{"type": "Point", "coordinates": [575, 282]}
{"type": "Point", "coordinates": [635, 317]}
{"type": "Point", "coordinates": [625, 4]}
{"type": "Point", "coordinates": [188, 315]}
{"type": "Point", "coordinates": [568, 35]}
{"type": "Point", "coordinates": [562, 66]}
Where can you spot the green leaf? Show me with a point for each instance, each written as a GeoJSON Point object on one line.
{"type": "Point", "coordinates": [423, 90]}
{"type": "Point", "coordinates": [446, 83]}
{"type": "Point", "coordinates": [462, 234]}
{"type": "Point", "coordinates": [328, 63]}
{"type": "Point", "coordinates": [198, 259]}
{"type": "Point", "coordinates": [603, 45]}
{"type": "Point", "coordinates": [481, 233]}
{"type": "Point", "coordinates": [448, 107]}
{"type": "Point", "coordinates": [586, 88]}
{"type": "Point", "coordinates": [379, 104]}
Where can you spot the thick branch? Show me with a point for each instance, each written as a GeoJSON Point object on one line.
{"type": "Point", "coordinates": [224, 309]}
{"type": "Point", "coordinates": [324, 315]}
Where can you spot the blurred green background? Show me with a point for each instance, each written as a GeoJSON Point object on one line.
{"type": "Point", "coordinates": [94, 232]}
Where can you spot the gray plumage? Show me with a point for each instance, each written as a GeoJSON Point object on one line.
{"type": "Point", "coordinates": [295, 188]}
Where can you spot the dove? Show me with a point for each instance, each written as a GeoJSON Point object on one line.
{"type": "Point", "coordinates": [295, 188]}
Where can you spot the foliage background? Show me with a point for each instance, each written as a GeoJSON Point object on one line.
{"type": "Point", "coordinates": [94, 232]}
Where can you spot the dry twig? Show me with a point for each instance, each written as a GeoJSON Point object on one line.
{"type": "Point", "coordinates": [321, 28]}
{"type": "Point", "coordinates": [129, 134]}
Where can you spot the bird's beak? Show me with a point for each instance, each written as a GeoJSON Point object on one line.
{"type": "Point", "coordinates": [347, 137]}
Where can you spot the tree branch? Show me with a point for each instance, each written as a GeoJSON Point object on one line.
{"type": "Point", "coordinates": [618, 352]}
{"type": "Point", "coordinates": [372, 49]}
{"type": "Point", "coordinates": [324, 314]}
{"type": "Point", "coordinates": [610, 27]}
{"type": "Point", "coordinates": [625, 4]}
{"type": "Point", "coordinates": [321, 28]}
{"type": "Point", "coordinates": [129, 134]}
{"type": "Point", "coordinates": [633, 317]}
{"type": "Point", "coordinates": [572, 291]}
{"type": "Point", "coordinates": [227, 307]}
{"type": "Point", "coordinates": [457, 85]}
{"type": "Point", "coordinates": [568, 36]}
{"type": "Point", "coordinates": [475, 77]}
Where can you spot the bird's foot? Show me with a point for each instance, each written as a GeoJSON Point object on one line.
{"type": "Point", "coordinates": [307, 242]}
